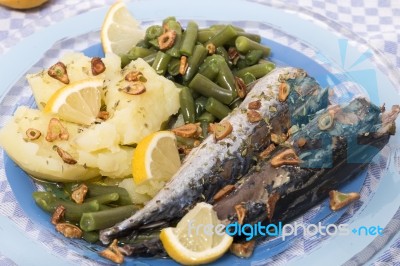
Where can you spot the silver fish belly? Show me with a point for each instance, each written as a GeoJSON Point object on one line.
{"type": "Point", "coordinates": [213, 164]}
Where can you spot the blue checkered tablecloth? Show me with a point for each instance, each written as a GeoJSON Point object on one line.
{"type": "Point", "coordinates": [376, 21]}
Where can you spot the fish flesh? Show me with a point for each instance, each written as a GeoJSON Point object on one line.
{"type": "Point", "coordinates": [214, 164]}
{"type": "Point", "coordinates": [333, 148]}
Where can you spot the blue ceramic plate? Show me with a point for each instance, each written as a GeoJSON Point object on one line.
{"type": "Point", "coordinates": [337, 60]}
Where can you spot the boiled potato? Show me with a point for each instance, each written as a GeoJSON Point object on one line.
{"type": "Point", "coordinates": [131, 187]}
{"type": "Point", "coordinates": [95, 149]}
{"type": "Point", "coordinates": [37, 157]}
{"type": "Point", "coordinates": [136, 116]}
{"type": "Point", "coordinates": [98, 147]}
{"type": "Point", "coordinates": [98, 137]}
{"type": "Point", "coordinates": [113, 164]}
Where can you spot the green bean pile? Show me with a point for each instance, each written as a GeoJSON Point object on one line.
{"type": "Point", "coordinates": [103, 206]}
{"type": "Point", "coordinates": [220, 61]}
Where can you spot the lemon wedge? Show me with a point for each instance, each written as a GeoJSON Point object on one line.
{"type": "Point", "coordinates": [77, 102]}
{"type": "Point", "coordinates": [198, 238]}
{"type": "Point", "coordinates": [156, 157]}
{"type": "Point", "coordinates": [22, 4]}
{"type": "Point", "coordinates": [120, 30]}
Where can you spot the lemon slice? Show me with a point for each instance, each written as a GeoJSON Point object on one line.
{"type": "Point", "coordinates": [22, 4]}
{"type": "Point", "coordinates": [156, 157]}
{"type": "Point", "coordinates": [120, 30]}
{"type": "Point", "coordinates": [77, 102]}
{"type": "Point", "coordinates": [198, 238]}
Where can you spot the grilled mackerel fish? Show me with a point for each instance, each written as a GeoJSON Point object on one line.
{"type": "Point", "coordinates": [286, 97]}
{"type": "Point", "coordinates": [323, 155]}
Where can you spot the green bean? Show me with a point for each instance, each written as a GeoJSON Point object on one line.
{"type": "Point", "coordinates": [105, 207]}
{"type": "Point", "coordinates": [143, 43]}
{"type": "Point", "coordinates": [187, 105]}
{"type": "Point", "coordinates": [253, 56]}
{"type": "Point", "coordinates": [134, 54]}
{"type": "Point", "coordinates": [57, 190]}
{"type": "Point", "coordinates": [208, 60]}
{"type": "Point", "coordinates": [173, 66]}
{"type": "Point", "coordinates": [217, 108]}
{"type": "Point", "coordinates": [206, 117]}
{"type": "Point", "coordinates": [167, 123]}
{"type": "Point", "coordinates": [137, 52]}
{"type": "Point", "coordinates": [226, 79]}
{"type": "Point", "coordinates": [188, 142]}
{"type": "Point", "coordinates": [154, 43]}
{"type": "Point", "coordinates": [204, 129]}
{"type": "Point", "coordinates": [258, 70]}
{"type": "Point", "coordinates": [200, 105]}
{"type": "Point", "coordinates": [241, 63]}
{"type": "Point", "coordinates": [91, 221]}
{"type": "Point", "coordinates": [175, 26]}
{"type": "Point", "coordinates": [263, 60]}
{"type": "Point", "coordinates": [160, 63]}
{"type": "Point", "coordinates": [150, 58]}
{"type": "Point", "coordinates": [73, 211]}
{"type": "Point", "coordinates": [68, 187]}
{"type": "Point", "coordinates": [218, 27]}
{"type": "Point", "coordinates": [174, 50]}
{"type": "Point", "coordinates": [205, 35]}
{"type": "Point", "coordinates": [43, 199]}
{"type": "Point", "coordinates": [189, 38]}
{"type": "Point", "coordinates": [251, 36]}
{"type": "Point", "coordinates": [248, 78]}
{"type": "Point", "coordinates": [125, 59]}
{"type": "Point", "coordinates": [207, 88]}
{"type": "Point", "coordinates": [194, 61]}
{"type": "Point", "coordinates": [244, 44]}
{"type": "Point", "coordinates": [205, 29]}
{"type": "Point", "coordinates": [95, 190]}
{"type": "Point", "coordinates": [91, 237]}
{"type": "Point", "coordinates": [153, 32]}
{"type": "Point", "coordinates": [105, 198]}
{"type": "Point", "coordinates": [168, 19]}
{"type": "Point", "coordinates": [224, 53]}
{"type": "Point", "coordinates": [210, 69]}
{"type": "Point", "coordinates": [223, 36]}
{"type": "Point", "coordinates": [195, 95]}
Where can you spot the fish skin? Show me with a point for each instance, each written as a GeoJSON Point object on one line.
{"type": "Point", "coordinates": [272, 195]}
{"type": "Point", "coordinates": [151, 247]}
{"type": "Point", "coordinates": [212, 165]}
{"type": "Point", "coordinates": [257, 210]}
